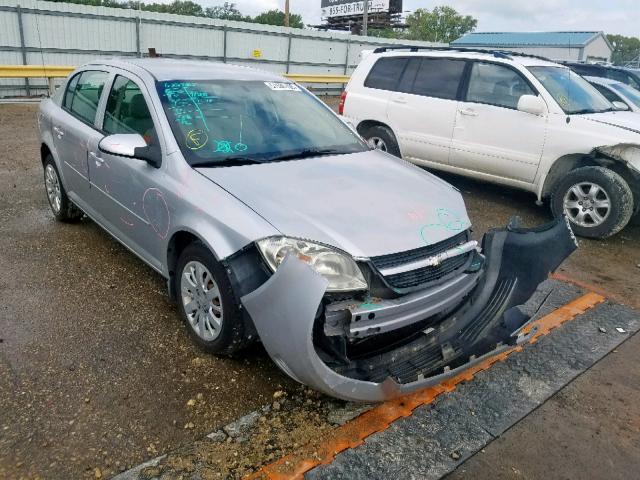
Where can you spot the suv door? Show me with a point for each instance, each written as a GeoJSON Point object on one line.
{"type": "Point", "coordinates": [75, 133]}
{"type": "Point", "coordinates": [126, 192]}
{"type": "Point", "coordinates": [422, 111]}
{"type": "Point", "coordinates": [491, 135]}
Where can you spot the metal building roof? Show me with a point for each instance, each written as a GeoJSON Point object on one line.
{"type": "Point", "coordinates": [526, 39]}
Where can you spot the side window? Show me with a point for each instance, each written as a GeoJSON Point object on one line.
{"type": "Point", "coordinates": [409, 76]}
{"type": "Point", "coordinates": [385, 74]}
{"type": "Point", "coordinates": [127, 110]}
{"type": "Point", "coordinates": [608, 94]}
{"type": "Point", "coordinates": [439, 77]}
{"type": "Point", "coordinates": [71, 87]}
{"type": "Point", "coordinates": [496, 85]}
{"type": "Point", "coordinates": [86, 94]}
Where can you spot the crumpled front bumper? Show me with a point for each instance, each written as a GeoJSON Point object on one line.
{"type": "Point", "coordinates": [286, 308]}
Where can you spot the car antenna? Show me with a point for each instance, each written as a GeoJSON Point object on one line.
{"type": "Point", "coordinates": [51, 85]}
{"type": "Point", "coordinates": [153, 53]}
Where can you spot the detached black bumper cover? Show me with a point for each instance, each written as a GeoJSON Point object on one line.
{"type": "Point", "coordinates": [285, 308]}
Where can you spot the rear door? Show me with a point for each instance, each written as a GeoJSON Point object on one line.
{"type": "Point", "coordinates": [491, 135]}
{"type": "Point", "coordinates": [74, 130]}
{"type": "Point", "coordinates": [422, 110]}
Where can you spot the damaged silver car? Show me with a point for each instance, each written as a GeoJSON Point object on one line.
{"type": "Point", "coordinates": [271, 219]}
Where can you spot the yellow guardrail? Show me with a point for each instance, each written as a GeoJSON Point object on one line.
{"type": "Point", "coordinates": [61, 71]}
{"type": "Point", "coordinates": [34, 71]}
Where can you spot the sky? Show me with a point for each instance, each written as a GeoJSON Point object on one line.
{"type": "Point", "coordinates": [611, 16]}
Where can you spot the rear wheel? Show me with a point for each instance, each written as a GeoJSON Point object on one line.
{"type": "Point", "coordinates": [597, 201]}
{"type": "Point", "coordinates": [382, 138]}
{"type": "Point", "coordinates": [62, 208]}
{"type": "Point", "coordinates": [207, 303]}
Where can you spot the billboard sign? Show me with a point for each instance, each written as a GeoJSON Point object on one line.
{"type": "Point", "coordinates": [345, 8]}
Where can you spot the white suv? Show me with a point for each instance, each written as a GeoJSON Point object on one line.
{"type": "Point", "coordinates": [507, 118]}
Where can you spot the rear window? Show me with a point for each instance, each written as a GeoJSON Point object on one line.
{"type": "Point", "coordinates": [439, 77]}
{"type": "Point", "coordinates": [385, 74]}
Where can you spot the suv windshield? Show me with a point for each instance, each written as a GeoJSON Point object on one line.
{"type": "Point", "coordinates": [223, 122]}
{"type": "Point", "coordinates": [572, 92]}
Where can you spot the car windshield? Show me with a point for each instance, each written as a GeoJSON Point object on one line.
{"type": "Point", "coordinates": [630, 93]}
{"type": "Point", "coordinates": [572, 92]}
{"type": "Point", "coordinates": [226, 123]}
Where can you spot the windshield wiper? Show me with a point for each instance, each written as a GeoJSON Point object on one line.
{"type": "Point", "coordinates": [227, 162]}
{"type": "Point", "coordinates": [306, 153]}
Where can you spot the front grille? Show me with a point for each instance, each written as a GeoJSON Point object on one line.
{"type": "Point", "coordinates": [423, 275]}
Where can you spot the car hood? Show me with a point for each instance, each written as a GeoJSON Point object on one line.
{"type": "Point", "coordinates": [629, 121]}
{"type": "Point", "coordinates": [366, 204]}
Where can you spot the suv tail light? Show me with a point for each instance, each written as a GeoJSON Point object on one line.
{"type": "Point", "coordinates": [343, 98]}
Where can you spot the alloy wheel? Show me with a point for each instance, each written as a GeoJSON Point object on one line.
{"type": "Point", "coordinates": [377, 143]}
{"type": "Point", "coordinates": [201, 300]}
{"type": "Point", "coordinates": [52, 184]}
{"type": "Point", "coordinates": [587, 204]}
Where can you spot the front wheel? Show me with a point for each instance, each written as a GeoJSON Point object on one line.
{"type": "Point", "coordinates": [597, 201]}
{"type": "Point", "coordinates": [207, 303]}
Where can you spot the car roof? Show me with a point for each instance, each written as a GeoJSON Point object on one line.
{"type": "Point", "coordinates": [497, 55]}
{"type": "Point", "coordinates": [163, 69]}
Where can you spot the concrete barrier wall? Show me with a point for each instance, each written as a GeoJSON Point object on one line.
{"type": "Point", "coordinates": [40, 32]}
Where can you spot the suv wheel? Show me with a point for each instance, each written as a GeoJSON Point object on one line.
{"type": "Point", "coordinates": [382, 138]}
{"type": "Point", "coordinates": [61, 207]}
{"type": "Point", "coordinates": [207, 303]}
{"type": "Point", "coordinates": [597, 201]}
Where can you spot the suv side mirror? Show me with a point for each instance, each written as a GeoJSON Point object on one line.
{"type": "Point", "coordinates": [131, 146]}
{"type": "Point", "coordinates": [532, 104]}
{"type": "Point", "coordinates": [620, 106]}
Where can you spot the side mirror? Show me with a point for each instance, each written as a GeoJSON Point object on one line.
{"type": "Point", "coordinates": [131, 146]}
{"type": "Point", "coordinates": [620, 106]}
{"type": "Point", "coordinates": [532, 104]}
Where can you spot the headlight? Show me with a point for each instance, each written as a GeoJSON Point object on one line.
{"type": "Point", "coordinates": [340, 270]}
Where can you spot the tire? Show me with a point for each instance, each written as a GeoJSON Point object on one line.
{"type": "Point", "coordinates": [586, 205]}
{"type": "Point", "coordinates": [61, 206]}
{"type": "Point", "coordinates": [227, 338]}
{"type": "Point", "coordinates": [382, 138]}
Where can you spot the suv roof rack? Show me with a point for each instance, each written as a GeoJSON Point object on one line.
{"type": "Point", "coordinates": [496, 53]}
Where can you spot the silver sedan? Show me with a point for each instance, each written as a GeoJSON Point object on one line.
{"type": "Point", "coordinates": [271, 219]}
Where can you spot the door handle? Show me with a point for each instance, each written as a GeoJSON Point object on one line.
{"type": "Point", "coordinates": [58, 131]}
{"type": "Point", "coordinates": [401, 100]}
{"type": "Point", "coordinates": [99, 161]}
{"type": "Point", "coordinates": [468, 112]}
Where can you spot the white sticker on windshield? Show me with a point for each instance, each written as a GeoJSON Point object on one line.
{"type": "Point", "coordinates": [292, 87]}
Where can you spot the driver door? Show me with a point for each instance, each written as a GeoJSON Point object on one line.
{"type": "Point", "coordinates": [125, 190]}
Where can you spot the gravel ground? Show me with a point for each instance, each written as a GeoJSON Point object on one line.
{"type": "Point", "coordinates": [96, 372]}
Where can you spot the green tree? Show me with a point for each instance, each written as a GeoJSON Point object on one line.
{"type": "Point", "coordinates": [625, 49]}
{"type": "Point", "coordinates": [276, 17]}
{"type": "Point", "coordinates": [385, 33]}
{"type": "Point", "coordinates": [442, 24]}
{"type": "Point", "coordinates": [178, 7]}
{"type": "Point", "coordinates": [227, 11]}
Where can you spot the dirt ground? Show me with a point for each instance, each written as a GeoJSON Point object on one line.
{"type": "Point", "coordinates": [96, 370]}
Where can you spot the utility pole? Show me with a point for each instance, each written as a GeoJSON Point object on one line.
{"type": "Point", "coordinates": [365, 17]}
{"type": "Point", "coordinates": [286, 13]}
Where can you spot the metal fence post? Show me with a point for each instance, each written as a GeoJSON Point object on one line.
{"type": "Point", "coordinates": [224, 44]}
{"type": "Point", "coordinates": [138, 27]}
{"type": "Point", "coordinates": [289, 52]}
{"type": "Point", "coordinates": [346, 60]}
{"type": "Point", "coordinates": [23, 49]}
